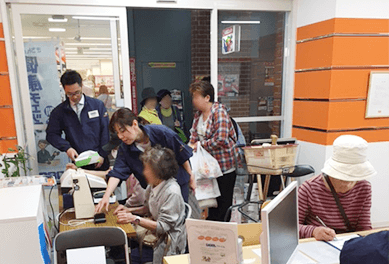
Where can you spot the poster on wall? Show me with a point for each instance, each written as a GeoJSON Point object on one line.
{"type": "Point", "coordinates": [228, 85]}
{"type": "Point", "coordinates": [231, 39]}
{"type": "Point", "coordinates": [378, 95]}
{"type": "Point", "coordinates": [45, 95]}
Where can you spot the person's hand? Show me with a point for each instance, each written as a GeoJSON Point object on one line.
{"type": "Point", "coordinates": [101, 161]}
{"type": "Point", "coordinates": [324, 233]}
{"type": "Point", "coordinates": [177, 123]}
{"type": "Point", "coordinates": [125, 217]}
{"type": "Point", "coordinates": [71, 166]}
{"type": "Point", "coordinates": [72, 153]}
{"type": "Point", "coordinates": [193, 146]}
{"type": "Point", "coordinates": [121, 208]}
{"type": "Point", "coordinates": [192, 183]}
{"type": "Point", "coordinates": [103, 203]}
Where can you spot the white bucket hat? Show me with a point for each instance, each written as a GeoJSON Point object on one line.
{"type": "Point", "coordinates": [349, 160]}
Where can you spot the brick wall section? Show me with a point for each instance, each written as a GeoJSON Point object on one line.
{"type": "Point", "coordinates": [278, 56]}
{"type": "Point", "coordinates": [200, 43]}
{"type": "Point", "coordinates": [7, 127]}
{"type": "Point", "coordinates": [250, 69]}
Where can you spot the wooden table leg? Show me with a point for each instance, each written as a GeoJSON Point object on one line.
{"type": "Point", "coordinates": [260, 190]}
{"type": "Point", "coordinates": [266, 187]}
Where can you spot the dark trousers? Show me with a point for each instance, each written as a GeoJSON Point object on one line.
{"type": "Point", "coordinates": [185, 191]}
{"type": "Point", "coordinates": [224, 201]}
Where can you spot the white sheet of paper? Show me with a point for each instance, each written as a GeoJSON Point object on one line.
{"type": "Point", "coordinates": [89, 255]}
{"type": "Point", "coordinates": [340, 241]}
{"type": "Point", "coordinates": [212, 242]}
{"type": "Point", "coordinates": [257, 251]}
{"type": "Point", "coordinates": [319, 252]}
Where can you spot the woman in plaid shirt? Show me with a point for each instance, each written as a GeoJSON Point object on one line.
{"type": "Point", "coordinates": [213, 128]}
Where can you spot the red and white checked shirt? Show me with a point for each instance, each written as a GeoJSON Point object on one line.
{"type": "Point", "coordinates": [314, 199]}
{"type": "Point", "coordinates": [219, 139]}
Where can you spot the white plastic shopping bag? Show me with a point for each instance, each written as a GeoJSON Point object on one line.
{"type": "Point", "coordinates": [204, 166]}
{"type": "Point", "coordinates": [207, 188]}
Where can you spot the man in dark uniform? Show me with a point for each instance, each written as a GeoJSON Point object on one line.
{"type": "Point", "coordinates": [84, 121]}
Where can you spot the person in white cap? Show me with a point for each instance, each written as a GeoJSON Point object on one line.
{"type": "Point", "coordinates": [339, 199]}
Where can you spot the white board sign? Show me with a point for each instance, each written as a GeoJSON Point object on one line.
{"type": "Point", "coordinates": [378, 96]}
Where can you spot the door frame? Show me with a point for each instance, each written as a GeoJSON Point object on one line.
{"type": "Point", "coordinates": [20, 9]}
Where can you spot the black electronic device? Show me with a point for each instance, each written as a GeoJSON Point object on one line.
{"type": "Point", "coordinates": [100, 218]}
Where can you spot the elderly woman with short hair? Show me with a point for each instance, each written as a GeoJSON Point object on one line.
{"type": "Point", "coordinates": [339, 199]}
{"type": "Point", "coordinates": [163, 202]}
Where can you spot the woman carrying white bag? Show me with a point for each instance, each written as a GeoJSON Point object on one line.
{"type": "Point", "coordinates": [213, 129]}
{"type": "Point", "coordinates": [205, 169]}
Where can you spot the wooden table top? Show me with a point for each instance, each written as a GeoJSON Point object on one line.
{"type": "Point", "coordinates": [250, 257]}
{"type": "Point", "coordinates": [111, 221]}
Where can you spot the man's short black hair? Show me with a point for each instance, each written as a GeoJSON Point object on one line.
{"type": "Point", "coordinates": [71, 77]}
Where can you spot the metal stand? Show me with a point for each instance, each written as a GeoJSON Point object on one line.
{"type": "Point", "coordinates": [247, 202]}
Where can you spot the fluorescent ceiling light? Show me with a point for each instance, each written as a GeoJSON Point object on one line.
{"type": "Point", "coordinates": [59, 20]}
{"type": "Point", "coordinates": [94, 18]}
{"type": "Point", "coordinates": [36, 37]}
{"type": "Point", "coordinates": [57, 29]}
{"type": "Point", "coordinates": [100, 49]}
{"type": "Point", "coordinates": [90, 38]}
{"type": "Point", "coordinates": [97, 52]}
{"type": "Point", "coordinates": [71, 52]}
{"type": "Point", "coordinates": [241, 22]}
{"type": "Point", "coordinates": [70, 48]}
{"type": "Point", "coordinates": [87, 44]}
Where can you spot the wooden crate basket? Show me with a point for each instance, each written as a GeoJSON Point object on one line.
{"type": "Point", "coordinates": [270, 159]}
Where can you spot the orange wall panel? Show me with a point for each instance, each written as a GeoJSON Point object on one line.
{"type": "Point", "coordinates": [5, 91]}
{"type": "Point", "coordinates": [361, 25]}
{"type": "Point", "coordinates": [7, 127]}
{"type": "Point", "coordinates": [349, 84]}
{"type": "Point", "coordinates": [1, 30]}
{"type": "Point", "coordinates": [3, 58]}
{"type": "Point", "coordinates": [314, 54]}
{"type": "Point", "coordinates": [351, 115]}
{"type": "Point", "coordinates": [343, 25]}
{"type": "Point", "coordinates": [6, 144]}
{"type": "Point", "coordinates": [314, 84]}
{"type": "Point", "coordinates": [360, 51]}
{"type": "Point", "coordinates": [332, 84]}
{"type": "Point", "coordinates": [317, 29]}
{"type": "Point", "coordinates": [323, 138]}
{"type": "Point", "coordinates": [311, 114]}
{"type": "Point", "coordinates": [310, 136]}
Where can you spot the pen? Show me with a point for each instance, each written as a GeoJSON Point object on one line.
{"type": "Point", "coordinates": [322, 223]}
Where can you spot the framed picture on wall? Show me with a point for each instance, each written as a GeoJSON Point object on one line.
{"type": "Point", "coordinates": [378, 95]}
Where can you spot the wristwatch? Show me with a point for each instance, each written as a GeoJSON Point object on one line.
{"type": "Point", "coordinates": [137, 220]}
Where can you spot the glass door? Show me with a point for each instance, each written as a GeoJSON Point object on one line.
{"type": "Point", "coordinates": [250, 69]}
{"type": "Point", "coordinates": [51, 39]}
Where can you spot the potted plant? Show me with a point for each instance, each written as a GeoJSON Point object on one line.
{"type": "Point", "coordinates": [14, 165]}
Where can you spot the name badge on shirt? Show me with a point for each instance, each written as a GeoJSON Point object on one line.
{"type": "Point", "coordinates": [93, 114]}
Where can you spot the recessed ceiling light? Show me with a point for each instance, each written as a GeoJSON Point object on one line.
{"type": "Point", "coordinates": [57, 18]}
{"type": "Point", "coordinates": [57, 29]}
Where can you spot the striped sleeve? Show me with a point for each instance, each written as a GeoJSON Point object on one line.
{"type": "Point", "coordinates": [315, 200]}
{"type": "Point", "coordinates": [303, 194]}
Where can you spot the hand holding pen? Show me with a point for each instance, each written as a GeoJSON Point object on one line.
{"type": "Point", "coordinates": [323, 232]}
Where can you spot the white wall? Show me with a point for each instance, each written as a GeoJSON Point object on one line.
{"type": "Point", "coordinates": [378, 154]}
{"type": "Point", "coordinates": [106, 67]}
{"type": "Point", "coordinates": [313, 11]}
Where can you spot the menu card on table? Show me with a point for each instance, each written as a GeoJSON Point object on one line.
{"type": "Point", "coordinates": [212, 242]}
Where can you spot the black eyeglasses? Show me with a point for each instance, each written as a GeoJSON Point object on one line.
{"type": "Point", "coordinates": [73, 94]}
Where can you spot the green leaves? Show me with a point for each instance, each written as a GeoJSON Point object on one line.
{"type": "Point", "coordinates": [19, 160]}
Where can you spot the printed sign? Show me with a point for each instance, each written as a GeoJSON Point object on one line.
{"type": "Point", "coordinates": [45, 94]}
